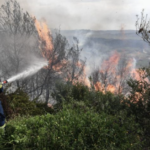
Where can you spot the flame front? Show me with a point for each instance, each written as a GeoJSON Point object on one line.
{"type": "Point", "coordinates": [46, 46]}
{"type": "Point", "coordinates": [113, 77]}
{"type": "Point", "coordinates": [110, 77]}
{"type": "Point", "coordinates": [45, 38]}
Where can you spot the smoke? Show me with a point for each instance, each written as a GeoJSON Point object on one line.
{"type": "Point", "coordinates": [134, 63]}
{"type": "Point", "coordinates": [35, 67]}
{"type": "Point", "coordinates": [86, 14]}
{"type": "Point", "coordinates": [17, 56]}
{"type": "Point", "coordinates": [98, 46]}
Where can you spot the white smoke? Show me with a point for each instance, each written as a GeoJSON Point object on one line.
{"type": "Point", "coordinates": [134, 63]}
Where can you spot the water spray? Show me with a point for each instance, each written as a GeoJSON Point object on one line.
{"type": "Point", "coordinates": [28, 72]}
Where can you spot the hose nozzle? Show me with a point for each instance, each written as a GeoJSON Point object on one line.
{"type": "Point", "coordinates": [4, 82]}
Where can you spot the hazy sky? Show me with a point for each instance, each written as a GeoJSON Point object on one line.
{"type": "Point", "coordinates": [87, 14]}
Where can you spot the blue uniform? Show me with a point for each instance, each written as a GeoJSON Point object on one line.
{"type": "Point", "coordinates": [2, 116]}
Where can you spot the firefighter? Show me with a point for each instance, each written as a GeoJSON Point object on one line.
{"type": "Point", "coordinates": [2, 116]}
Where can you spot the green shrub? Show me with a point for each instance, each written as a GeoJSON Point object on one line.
{"type": "Point", "coordinates": [18, 103]}
{"type": "Point", "coordinates": [72, 129]}
{"type": "Point", "coordinates": [98, 101]}
{"type": "Point", "coordinates": [139, 103]}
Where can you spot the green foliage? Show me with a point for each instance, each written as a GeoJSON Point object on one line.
{"type": "Point", "coordinates": [63, 92]}
{"type": "Point", "coordinates": [98, 101]}
{"type": "Point", "coordinates": [83, 119]}
{"type": "Point", "coordinates": [80, 92]}
{"type": "Point", "coordinates": [87, 99]}
{"type": "Point", "coordinates": [72, 129]}
{"type": "Point", "coordinates": [139, 102]}
{"type": "Point", "coordinates": [20, 104]}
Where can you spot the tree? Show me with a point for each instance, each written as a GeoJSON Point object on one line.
{"type": "Point", "coordinates": [18, 41]}
{"type": "Point", "coordinates": [139, 102]}
{"type": "Point", "coordinates": [75, 67]}
{"type": "Point", "coordinates": [57, 63]}
{"type": "Point", "coordinates": [63, 61]}
{"type": "Point", "coordinates": [19, 46]}
{"type": "Point", "coordinates": [143, 27]}
{"type": "Point", "coordinates": [21, 36]}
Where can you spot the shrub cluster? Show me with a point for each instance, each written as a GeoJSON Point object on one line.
{"type": "Point", "coordinates": [72, 129]}
{"type": "Point", "coordinates": [18, 103]}
{"type": "Point", "coordinates": [113, 104]}
{"type": "Point", "coordinates": [83, 119]}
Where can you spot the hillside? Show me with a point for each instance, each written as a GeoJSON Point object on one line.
{"type": "Point", "coordinates": [99, 43]}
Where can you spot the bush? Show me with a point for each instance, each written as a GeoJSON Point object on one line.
{"type": "Point", "coordinates": [98, 101]}
{"type": "Point", "coordinates": [139, 103]}
{"type": "Point", "coordinates": [72, 129]}
{"type": "Point", "coordinates": [18, 103]}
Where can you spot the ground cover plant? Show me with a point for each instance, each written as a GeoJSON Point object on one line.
{"type": "Point", "coordinates": [82, 119]}
{"type": "Point", "coordinates": [72, 129]}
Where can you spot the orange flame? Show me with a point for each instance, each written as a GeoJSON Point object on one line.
{"type": "Point", "coordinates": [46, 45]}
{"type": "Point", "coordinates": [45, 38]}
{"type": "Point", "coordinates": [112, 82]}
{"type": "Point", "coordinates": [60, 65]}
{"type": "Point", "coordinates": [111, 88]}
{"type": "Point", "coordinates": [98, 86]}
{"type": "Point", "coordinates": [110, 77]}
{"type": "Point", "coordinates": [111, 64]}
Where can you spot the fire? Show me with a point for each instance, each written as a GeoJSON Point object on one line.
{"type": "Point", "coordinates": [110, 64]}
{"type": "Point", "coordinates": [98, 86]}
{"type": "Point", "coordinates": [85, 80]}
{"type": "Point", "coordinates": [112, 77]}
{"type": "Point", "coordinates": [45, 38]}
{"type": "Point", "coordinates": [77, 73]}
{"type": "Point", "coordinates": [108, 72]}
{"type": "Point", "coordinates": [111, 88]}
{"type": "Point", "coordinates": [60, 65]}
{"type": "Point", "coordinates": [46, 46]}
